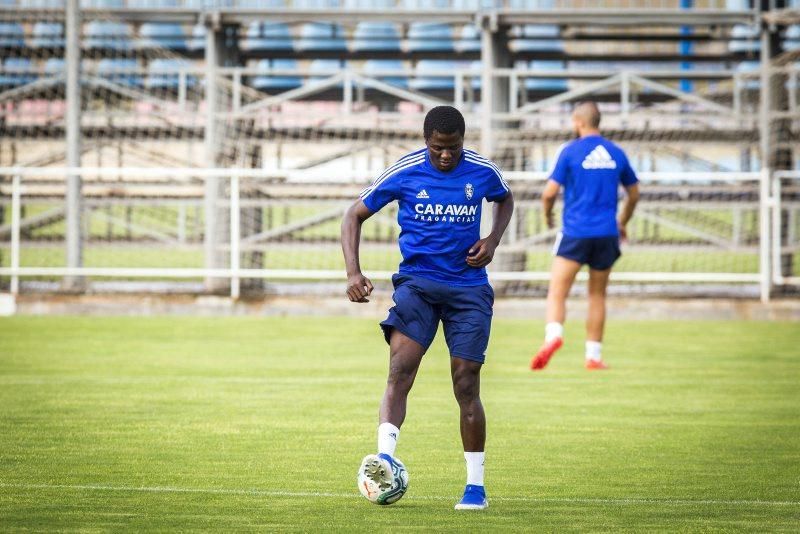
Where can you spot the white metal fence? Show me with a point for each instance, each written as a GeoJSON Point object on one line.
{"type": "Point", "coordinates": [147, 223]}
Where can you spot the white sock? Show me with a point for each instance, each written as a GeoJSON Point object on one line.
{"type": "Point", "coordinates": [552, 331]}
{"type": "Point", "coordinates": [388, 434]}
{"type": "Point", "coordinates": [474, 467]}
{"type": "Point", "coordinates": [593, 349]}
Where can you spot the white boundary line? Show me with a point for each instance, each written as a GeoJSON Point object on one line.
{"type": "Point", "coordinates": [354, 495]}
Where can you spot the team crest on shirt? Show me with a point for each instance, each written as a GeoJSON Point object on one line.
{"type": "Point", "coordinates": [468, 190]}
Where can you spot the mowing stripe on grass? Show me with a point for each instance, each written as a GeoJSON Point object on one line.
{"type": "Point", "coordinates": [279, 493]}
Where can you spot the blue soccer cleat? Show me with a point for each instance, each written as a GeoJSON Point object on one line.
{"type": "Point", "coordinates": [474, 498]}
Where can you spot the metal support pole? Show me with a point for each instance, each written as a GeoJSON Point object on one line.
{"type": "Point", "coordinates": [625, 96]}
{"type": "Point", "coordinates": [235, 237]}
{"type": "Point", "coordinates": [775, 205]}
{"type": "Point", "coordinates": [766, 164]}
{"type": "Point", "coordinates": [16, 215]}
{"type": "Point", "coordinates": [74, 234]}
{"type": "Point", "coordinates": [347, 93]}
{"type": "Point", "coordinates": [487, 85]}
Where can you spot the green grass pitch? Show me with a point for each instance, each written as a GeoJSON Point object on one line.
{"type": "Point", "coordinates": [260, 423]}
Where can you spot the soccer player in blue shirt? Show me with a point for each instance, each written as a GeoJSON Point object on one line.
{"type": "Point", "coordinates": [442, 277]}
{"type": "Point", "coordinates": [590, 169]}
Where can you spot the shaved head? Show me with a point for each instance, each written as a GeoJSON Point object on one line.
{"type": "Point", "coordinates": [588, 114]}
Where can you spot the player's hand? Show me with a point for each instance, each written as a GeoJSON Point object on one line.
{"type": "Point", "coordinates": [481, 253]}
{"type": "Point", "coordinates": [623, 232]}
{"type": "Point", "coordinates": [358, 288]}
{"type": "Point", "coordinates": [549, 220]}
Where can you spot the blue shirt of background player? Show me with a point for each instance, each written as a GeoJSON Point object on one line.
{"type": "Point", "coordinates": [590, 170]}
{"type": "Point", "coordinates": [439, 213]}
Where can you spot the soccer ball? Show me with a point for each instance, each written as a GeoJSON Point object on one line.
{"type": "Point", "coordinates": [381, 481]}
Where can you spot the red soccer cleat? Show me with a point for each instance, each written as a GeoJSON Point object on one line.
{"type": "Point", "coordinates": [595, 365]}
{"type": "Point", "coordinates": [545, 353]}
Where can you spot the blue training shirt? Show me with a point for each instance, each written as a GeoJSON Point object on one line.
{"type": "Point", "coordinates": [590, 170]}
{"type": "Point", "coordinates": [440, 213]}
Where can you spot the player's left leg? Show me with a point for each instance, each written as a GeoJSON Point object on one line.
{"type": "Point", "coordinates": [466, 376]}
{"type": "Point", "coordinates": [467, 321]}
{"type": "Point", "coordinates": [596, 318]}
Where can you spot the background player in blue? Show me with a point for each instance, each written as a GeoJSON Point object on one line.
{"type": "Point", "coordinates": [439, 190]}
{"type": "Point", "coordinates": [590, 169]}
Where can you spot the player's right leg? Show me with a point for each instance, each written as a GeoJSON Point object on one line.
{"type": "Point", "coordinates": [562, 275]}
{"type": "Point", "coordinates": [596, 318]}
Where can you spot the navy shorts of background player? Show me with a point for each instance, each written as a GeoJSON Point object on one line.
{"type": "Point", "coordinates": [590, 170]}
{"type": "Point", "coordinates": [439, 216]}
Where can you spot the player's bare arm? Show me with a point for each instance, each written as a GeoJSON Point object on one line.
{"type": "Point", "coordinates": [632, 198]}
{"type": "Point", "coordinates": [482, 252]}
{"type": "Point", "coordinates": [549, 196]}
{"type": "Point", "coordinates": [359, 286]}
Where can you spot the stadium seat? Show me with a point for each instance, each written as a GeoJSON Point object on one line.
{"type": "Point", "coordinates": [369, 4]}
{"type": "Point", "coordinates": [377, 68]}
{"type": "Point", "coordinates": [321, 69]}
{"type": "Point", "coordinates": [321, 36]}
{"type": "Point", "coordinates": [317, 4]}
{"type": "Point", "coordinates": [749, 66]}
{"type": "Point", "coordinates": [470, 40]}
{"type": "Point", "coordinates": [12, 35]}
{"type": "Point", "coordinates": [163, 74]}
{"type": "Point", "coordinates": [536, 38]}
{"type": "Point", "coordinates": [376, 36]}
{"type": "Point", "coordinates": [430, 37]}
{"type": "Point", "coordinates": [120, 71]}
{"type": "Point", "coordinates": [744, 39]}
{"type": "Point", "coordinates": [546, 84]}
{"type": "Point", "coordinates": [477, 4]}
{"type": "Point", "coordinates": [425, 82]}
{"type": "Point", "coordinates": [41, 3]}
{"type": "Point", "coordinates": [17, 71]}
{"type": "Point", "coordinates": [262, 35]}
{"type": "Point", "coordinates": [108, 35]}
{"type": "Point", "coordinates": [277, 83]}
{"type": "Point", "coordinates": [162, 35]}
{"type": "Point", "coordinates": [103, 3]}
{"type": "Point", "coordinates": [47, 35]}
{"type": "Point", "coordinates": [425, 4]}
{"type": "Point", "coordinates": [54, 66]}
{"type": "Point", "coordinates": [198, 39]}
{"type": "Point", "coordinates": [792, 38]}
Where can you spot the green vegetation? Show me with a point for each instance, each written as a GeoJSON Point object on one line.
{"type": "Point", "coordinates": [260, 423]}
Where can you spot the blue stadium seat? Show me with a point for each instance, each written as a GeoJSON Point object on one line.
{"type": "Point", "coordinates": [280, 82]}
{"type": "Point", "coordinates": [103, 3]}
{"type": "Point", "coordinates": [749, 66]}
{"type": "Point", "coordinates": [163, 74]}
{"type": "Point", "coordinates": [260, 4]}
{"type": "Point", "coordinates": [321, 69]}
{"type": "Point", "coordinates": [108, 35]}
{"type": "Point", "coordinates": [536, 38]}
{"type": "Point", "coordinates": [437, 83]}
{"type": "Point", "coordinates": [120, 71]}
{"type": "Point", "coordinates": [470, 40]}
{"type": "Point", "coordinates": [321, 36]}
{"type": "Point", "coordinates": [267, 36]}
{"type": "Point", "coordinates": [475, 68]}
{"type": "Point", "coordinates": [54, 66]}
{"type": "Point", "coordinates": [41, 3]}
{"type": "Point", "coordinates": [17, 71]}
{"type": "Point", "coordinates": [162, 35]}
{"type": "Point", "coordinates": [369, 4]}
{"type": "Point", "coordinates": [12, 35]}
{"type": "Point", "coordinates": [546, 84]}
{"type": "Point", "coordinates": [198, 39]}
{"type": "Point", "coordinates": [477, 4]}
{"type": "Point", "coordinates": [376, 36]}
{"type": "Point", "coordinates": [378, 68]}
{"type": "Point", "coordinates": [425, 4]}
{"type": "Point", "coordinates": [745, 39]}
{"type": "Point", "coordinates": [317, 4]}
{"type": "Point", "coordinates": [47, 35]}
{"type": "Point", "coordinates": [430, 37]}
{"type": "Point", "coordinates": [792, 38]}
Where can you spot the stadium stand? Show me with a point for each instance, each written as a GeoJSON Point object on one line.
{"type": "Point", "coordinates": [275, 83]}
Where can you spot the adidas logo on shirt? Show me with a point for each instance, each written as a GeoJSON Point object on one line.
{"type": "Point", "coordinates": [423, 194]}
{"type": "Point", "coordinates": [599, 158]}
